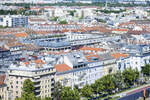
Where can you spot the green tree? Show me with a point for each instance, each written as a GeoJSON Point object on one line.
{"type": "Point", "coordinates": [87, 91]}
{"type": "Point", "coordinates": [130, 76]}
{"type": "Point", "coordinates": [55, 18]}
{"type": "Point", "coordinates": [17, 99]}
{"type": "Point", "coordinates": [47, 98]}
{"type": "Point", "coordinates": [118, 81]}
{"type": "Point", "coordinates": [57, 90]}
{"type": "Point", "coordinates": [72, 12]}
{"type": "Point", "coordinates": [27, 6]}
{"type": "Point", "coordinates": [76, 94]}
{"type": "Point", "coordinates": [28, 90]}
{"type": "Point", "coordinates": [104, 84]}
{"type": "Point", "coordinates": [28, 86]}
{"type": "Point", "coordinates": [146, 70]}
{"type": "Point", "coordinates": [21, 11]}
{"type": "Point", "coordinates": [108, 83]}
{"type": "Point", "coordinates": [98, 86]}
{"type": "Point", "coordinates": [68, 93]}
{"type": "Point", "coordinates": [63, 22]}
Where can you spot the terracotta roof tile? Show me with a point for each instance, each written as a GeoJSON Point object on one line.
{"type": "Point", "coordinates": [62, 67]}
{"type": "Point", "coordinates": [91, 49]}
{"type": "Point", "coordinates": [21, 34]}
{"type": "Point", "coordinates": [118, 55]}
{"type": "Point", "coordinates": [120, 30]}
{"type": "Point", "coordinates": [26, 63]}
{"type": "Point", "coordinates": [39, 61]}
{"type": "Point", "coordinates": [89, 57]}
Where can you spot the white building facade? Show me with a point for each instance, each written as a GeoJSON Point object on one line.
{"type": "Point", "coordinates": [13, 20]}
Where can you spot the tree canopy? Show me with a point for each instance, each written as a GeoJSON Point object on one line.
{"type": "Point", "coordinates": [146, 70]}
{"type": "Point", "coordinates": [28, 92]}
{"type": "Point", "coordinates": [87, 91]}
{"type": "Point", "coordinates": [57, 90]}
{"type": "Point", "coordinates": [68, 93]}
{"type": "Point", "coordinates": [63, 22]}
{"type": "Point", "coordinates": [130, 76]}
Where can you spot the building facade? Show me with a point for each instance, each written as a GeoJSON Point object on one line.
{"type": "Point", "coordinates": [43, 79]}
{"type": "Point", "coordinates": [14, 21]}
{"type": "Point", "coordinates": [4, 93]}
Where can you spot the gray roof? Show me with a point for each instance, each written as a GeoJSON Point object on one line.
{"type": "Point", "coordinates": [106, 56]}
{"type": "Point", "coordinates": [77, 58]}
{"type": "Point", "coordinates": [53, 44]}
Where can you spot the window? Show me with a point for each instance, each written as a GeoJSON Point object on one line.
{"type": "Point", "coordinates": [110, 70]}
{"type": "Point", "coordinates": [10, 71]}
{"type": "Point", "coordinates": [16, 82]}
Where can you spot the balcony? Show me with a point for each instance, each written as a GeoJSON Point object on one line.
{"type": "Point", "coordinates": [37, 94]}
{"type": "Point", "coordinates": [52, 86]}
{"type": "Point", "coordinates": [52, 90]}
{"type": "Point", "coordinates": [36, 80]}
{"type": "Point", "coordinates": [37, 84]}
{"type": "Point", "coordinates": [52, 81]}
{"type": "Point", "coordinates": [38, 90]}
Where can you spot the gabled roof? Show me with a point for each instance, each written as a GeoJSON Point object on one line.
{"type": "Point", "coordinates": [62, 67]}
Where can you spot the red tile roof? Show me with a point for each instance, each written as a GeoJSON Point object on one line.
{"type": "Point", "coordinates": [135, 32]}
{"type": "Point", "coordinates": [90, 56]}
{"type": "Point", "coordinates": [91, 49]}
{"type": "Point", "coordinates": [23, 34]}
{"type": "Point", "coordinates": [118, 55]}
{"type": "Point", "coordinates": [39, 61]}
{"type": "Point", "coordinates": [62, 67]}
{"type": "Point", "coordinates": [123, 30]}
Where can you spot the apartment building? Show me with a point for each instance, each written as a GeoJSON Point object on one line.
{"type": "Point", "coordinates": [138, 57]}
{"type": "Point", "coordinates": [29, 1]}
{"type": "Point", "coordinates": [4, 93]}
{"type": "Point", "coordinates": [13, 20]}
{"type": "Point", "coordinates": [37, 71]}
{"type": "Point", "coordinates": [81, 75]}
{"type": "Point", "coordinates": [81, 68]}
